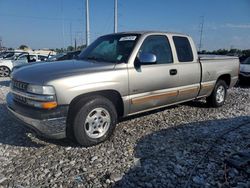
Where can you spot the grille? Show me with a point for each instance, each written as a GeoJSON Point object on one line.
{"type": "Point", "coordinates": [20, 99]}
{"type": "Point", "coordinates": [19, 85]}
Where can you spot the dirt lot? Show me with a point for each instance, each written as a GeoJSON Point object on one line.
{"type": "Point", "coordinates": [181, 146]}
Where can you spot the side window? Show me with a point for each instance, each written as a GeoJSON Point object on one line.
{"type": "Point", "coordinates": [32, 57]}
{"type": "Point", "coordinates": [159, 46]}
{"type": "Point", "coordinates": [183, 49]}
{"type": "Point", "coordinates": [23, 57]}
{"type": "Point", "coordinates": [42, 58]}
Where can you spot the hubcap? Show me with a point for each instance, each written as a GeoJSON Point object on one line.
{"type": "Point", "coordinates": [97, 123]}
{"type": "Point", "coordinates": [220, 94]}
{"type": "Point", "coordinates": [4, 72]}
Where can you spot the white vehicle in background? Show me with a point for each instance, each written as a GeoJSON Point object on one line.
{"type": "Point", "coordinates": [6, 65]}
{"type": "Point", "coordinates": [10, 54]}
{"type": "Point", "coordinates": [245, 70]}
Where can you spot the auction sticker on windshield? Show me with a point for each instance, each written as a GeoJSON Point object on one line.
{"type": "Point", "coordinates": [127, 38]}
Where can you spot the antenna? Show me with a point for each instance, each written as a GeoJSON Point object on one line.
{"type": "Point", "coordinates": [115, 16]}
{"type": "Point", "coordinates": [71, 39]}
{"type": "Point", "coordinates": [201, 32]}
{"type": "Point", "coordinates": [87, 23]}
{"type": "Point", "coordinates": [75, 45]}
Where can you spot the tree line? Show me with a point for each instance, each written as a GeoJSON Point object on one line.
{"type": "Point", "coordinates": [242, 54]}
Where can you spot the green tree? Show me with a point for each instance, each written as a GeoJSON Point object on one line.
{"type": "Point", "coordinates": [70, 48]}
{"type": "Point", "coordinates": [81, 47]}
{"type": "Point", "coordinates": [23, 47]}
{"type": "Point", "coordinates": [59, 50]}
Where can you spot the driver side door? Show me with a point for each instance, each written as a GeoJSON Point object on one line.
{"type": "Point", "coordinates": [153, 85]}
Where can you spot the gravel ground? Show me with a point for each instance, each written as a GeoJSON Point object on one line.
{"type": "Point", "coordinates": [180, 146]}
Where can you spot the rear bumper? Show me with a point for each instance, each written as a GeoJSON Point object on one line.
{"type": "Point", "coordinates": [47, 123]}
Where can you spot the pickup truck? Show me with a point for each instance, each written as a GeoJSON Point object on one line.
{"type": "Point", "coordinates": [118, 75]}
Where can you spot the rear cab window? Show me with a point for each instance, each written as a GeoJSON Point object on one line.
{"type": "Point", "coordinates": [183, 49]}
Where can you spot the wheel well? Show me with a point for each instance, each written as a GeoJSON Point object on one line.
{"type": "Point", "coordinates": [5, 67]}
{"type": "Point", "coordinates": [112, 95]}
{"type": "Point", "coordinates": [226, 78]}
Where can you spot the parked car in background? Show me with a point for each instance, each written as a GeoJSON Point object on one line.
{"type": "Point", "coordinates": [245, 70]}
{"type": "Point", "coordinates": [10, 54]}
{"type": "Point", "coordinates": [118, 75]}
{"type": "Point", "coordinates": [64, 56]}
{"type": "Point", "coordinates": [6, 65]}
{"type": "Point", "coordinates": [55, 58]}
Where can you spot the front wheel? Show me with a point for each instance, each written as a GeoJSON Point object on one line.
{"type": "Point", "coordinates": [218, 96]}
{"type": "Point", "coordinates": [95, 121]}
{"type": "Point", "coordinates": [4, 71]}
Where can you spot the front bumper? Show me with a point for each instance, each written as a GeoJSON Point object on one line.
{"type": "Point", "coordinates": [47, 123]}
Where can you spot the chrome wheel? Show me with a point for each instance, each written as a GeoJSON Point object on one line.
{"type": "Point", "coordinates": [97, 123]}
{"type": "Point", "coordinates": [4, 72]}
{"type": "Point", "coordinates": [220, 94]}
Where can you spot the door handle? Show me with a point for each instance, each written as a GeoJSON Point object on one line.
{"type": "Point", "coordinates": [173, 71]}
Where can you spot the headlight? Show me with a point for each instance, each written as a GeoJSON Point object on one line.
{"type": "Point", "coordinates": [41, 90]}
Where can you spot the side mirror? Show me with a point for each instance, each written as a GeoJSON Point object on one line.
{"type": "Point", "coordinates": [147, 58]}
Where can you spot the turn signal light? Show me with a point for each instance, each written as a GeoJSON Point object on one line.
{"type": "Point", "coordinates": [49, 105]}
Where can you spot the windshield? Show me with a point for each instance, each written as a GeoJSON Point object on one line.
{"type": "Point", "coordinates": [7, 55]}
{"type": "Point", "coordinates": [17, 56]}
{"type": "Point", "coordinates": [247, 61]}
{"type": "Point", "coordinates": [111, 48]}
{"type": "Point", "coordinates": [3, 54]}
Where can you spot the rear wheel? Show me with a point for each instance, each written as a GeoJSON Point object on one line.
{"type": "Point", "coordinates": [218, 96]}
{"type": "Point", "coordinates": [4, 71]}
{"type": "Point", "coordinates": [94, 121]}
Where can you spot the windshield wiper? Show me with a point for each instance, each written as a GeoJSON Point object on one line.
{"type": "Point", "coordinates": [92, 58]}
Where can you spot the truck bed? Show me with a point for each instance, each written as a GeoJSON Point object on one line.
{"type": "Point", "coordinates": [212, 66]}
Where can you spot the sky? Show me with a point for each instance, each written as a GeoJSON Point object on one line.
{"type": "Point", "coordinates": [57, 23]}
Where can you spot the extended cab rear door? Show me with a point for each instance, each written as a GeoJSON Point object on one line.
{"type": "Point", "coordinates": [189, 68]}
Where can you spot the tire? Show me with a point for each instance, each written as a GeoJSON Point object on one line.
{"type": "Point", "coordinates": [4, 71]}
{"type": "Point", "coordinates": [95, 120]}
{"type": "Point", "coordinates": [218, 96]}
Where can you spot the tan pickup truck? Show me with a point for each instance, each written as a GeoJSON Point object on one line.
{"type": "Point", "coordinates": [116, 76]}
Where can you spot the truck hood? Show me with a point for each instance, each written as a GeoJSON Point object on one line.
{"type": "Point", "coordinates": [41, 73]}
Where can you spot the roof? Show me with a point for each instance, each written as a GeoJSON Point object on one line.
{"type": "Point", "coordinates": [149, 32]}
